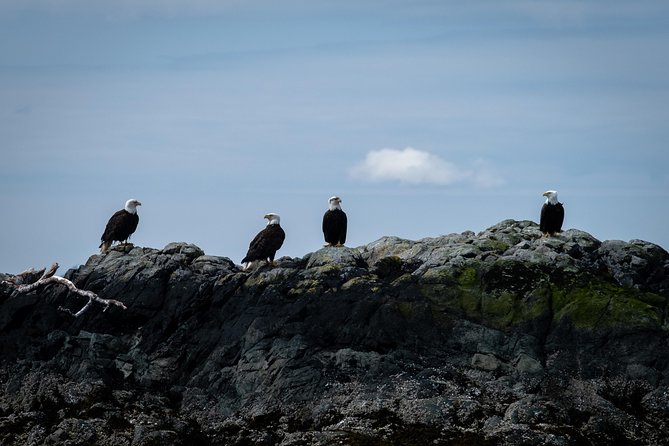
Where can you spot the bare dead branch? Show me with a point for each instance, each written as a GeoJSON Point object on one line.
{"type": "Point", "coordinates": [28, 276]}
{"type": "Point", "coordinates": [48, 277]}
{"type": "Point", "coordinates": [50, 272]}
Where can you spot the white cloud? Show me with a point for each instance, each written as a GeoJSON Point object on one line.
{"type": "Point", "coordinates": [414, 166]}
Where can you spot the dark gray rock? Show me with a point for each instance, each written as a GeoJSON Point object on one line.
{"type": "Point", "coordinates": [501, 337]}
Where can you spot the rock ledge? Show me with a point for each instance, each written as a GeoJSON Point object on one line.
{"type": "Point", "coordinates": [501, 337]}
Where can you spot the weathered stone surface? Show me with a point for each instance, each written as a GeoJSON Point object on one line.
{"type": "Point", "coordinates": [501, 337]}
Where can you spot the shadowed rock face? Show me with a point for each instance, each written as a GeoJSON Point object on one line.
{"type": "Point", "coordinates": [501, 337]}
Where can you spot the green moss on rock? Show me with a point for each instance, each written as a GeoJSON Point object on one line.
{"type": "Point", "coordinates": [508, 294]}
{"type": "Point", "coordinates": [439, 275]}
{"type": "Point", "coordinates": [507, 309]}
{"type": "Point", "coordinates": [494, 245]}
{"type": "Point", "coordinates": [306, 287]}
{"type": "Point", "coordinates": [363, 283]}
{"type": "Point", "coordinates": [453, 291]}
{"type": "Point", "coordinates": [498, 309]}
{"type": "Point", "coordinates": [519, 303]}
{"type": "Point", "coordinates": [468, 277]}
{"type": "Point", "coordinates": [600, 304]}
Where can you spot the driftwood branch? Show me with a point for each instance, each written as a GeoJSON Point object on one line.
{"type": "Point", "coordinates": [27, 281]}
{"type": "Point", "coordinates": [28, 276]}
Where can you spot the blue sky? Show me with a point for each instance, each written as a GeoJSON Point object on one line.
{"type": "Point", "coordinates": [425, 117]}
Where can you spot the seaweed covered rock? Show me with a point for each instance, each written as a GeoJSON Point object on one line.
{"type": "Point", "coordinates": [501, 337]}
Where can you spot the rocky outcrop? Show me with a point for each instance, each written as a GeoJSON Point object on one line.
{"type": "Point", "coordinates": [501, 337]}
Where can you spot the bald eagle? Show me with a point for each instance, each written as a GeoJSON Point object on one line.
{"type": "Point", "coordinates": [552, 214]}
{"type": "Point", "coordinates": [121, 225]}
{"type": "Point", "coordinates": [334, 223]}
{"type": "Point", "coordinates": [265, 245]}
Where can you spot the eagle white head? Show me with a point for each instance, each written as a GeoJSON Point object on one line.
{"type": "Point", "coordinates": [551, 197]}
{"type": "Point", "coordinates": [273, 219]}
{"type": "Point", "coordinates": [335, 203]}
{"type": "Point", "coordinates": [131, 205]}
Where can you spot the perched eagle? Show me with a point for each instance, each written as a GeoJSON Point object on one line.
{"type": "Point", "coordinates": [552, 214]}
{"type": "Point", "coordinates": [265, 245]}
{"type": "Point", "coordinates": [334, 223]}
{"type": "Point", "coordinates": [121, 225]}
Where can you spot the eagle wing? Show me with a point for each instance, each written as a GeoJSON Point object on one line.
{"type": "Point", "coordinates": [552, 217]}
{"type": "Point", "coordinates": [543, 218]}
{"type": "Point", "coordinates": [120, 226]}
{"type": "Point", "coordinates": [334, 226]}
{"type": "Point", "coordinates": [559, 215]}
{"type": "Point", "coordinates": [265, 243]}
